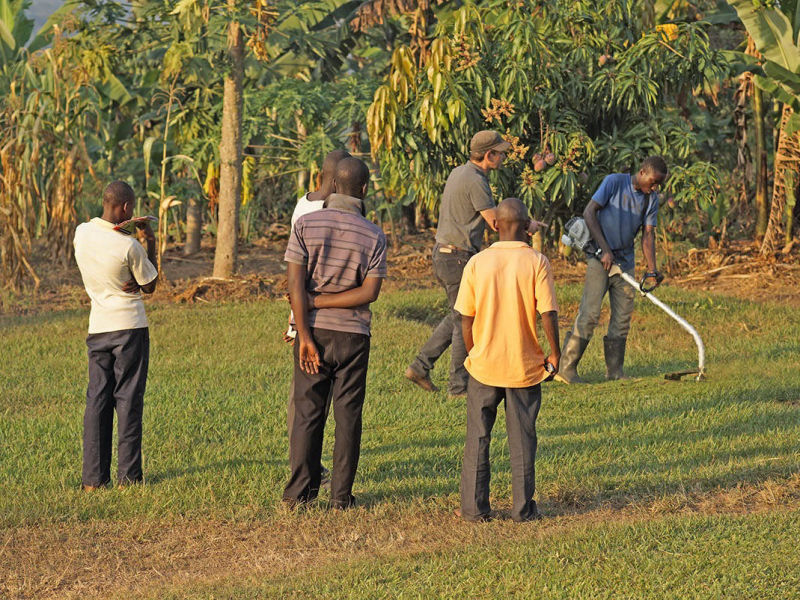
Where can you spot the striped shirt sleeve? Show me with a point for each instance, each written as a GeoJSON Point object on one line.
{"type": "Point", "coordinates": [377, 263]}
{"type": "Point", "coordinates": [296, 251]}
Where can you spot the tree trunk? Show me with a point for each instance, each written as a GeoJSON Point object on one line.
{"type": "Point", "coordinates": [423, 219]}
{"type": "Point", "coordinates": [303, 175]}
{"type": "Point", "coordinates": [791, 201]}
{"type": "Point", "coordinates": [761, 163]}
{"type": "Point", "coordinates": [787, 160]}
{"type": "Point", "coordinates": [230, 153]}
{"type": "Point", "coordinates": [408, 218]}
{"type": "Point", "coordinates": [194, 225]}
{"type": "Point", "coordinates": [648, 14]}
{"type": "Point", "coordinates": [760, 159]}
{"type": "Point", "coordinates": [354, 139]}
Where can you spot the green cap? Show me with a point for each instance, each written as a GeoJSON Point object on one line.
{"type": "Point", "coordinates": [486, 140]}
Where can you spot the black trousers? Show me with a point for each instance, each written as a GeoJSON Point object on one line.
{"type": "Point", "coordinates": [522, 408]}
{"type": "Point", "coordinates": [342, 377]}
{"type": "Point", "coordinates": [118, 362]}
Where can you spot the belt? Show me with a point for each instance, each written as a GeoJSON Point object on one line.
{"type": "Point", "coordinates": [450, 248]}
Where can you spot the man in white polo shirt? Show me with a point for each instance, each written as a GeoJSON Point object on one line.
{"type": "Point", "coordinates": [312, 201]}
{"type": "Point", "coordinates": [115, 268]}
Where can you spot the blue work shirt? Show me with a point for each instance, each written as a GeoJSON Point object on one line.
{"type": "Point", "coordinates": [623, 209]}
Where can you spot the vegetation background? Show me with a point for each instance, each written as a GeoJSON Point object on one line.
{"type": "Point", "coordinates": [218, 114]}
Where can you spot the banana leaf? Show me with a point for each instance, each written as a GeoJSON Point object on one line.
{"type": "Point", "coordinates": [772, 32]}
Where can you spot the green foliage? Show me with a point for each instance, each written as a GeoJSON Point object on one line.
{"type": "Point", "coordinates": [579, 79]}
{"type": "Point", "coordinates": [775, 32]}
{"type": "Point", "coordinates": [51, 121]}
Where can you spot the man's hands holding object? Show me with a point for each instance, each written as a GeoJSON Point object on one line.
{"type": "Point", "coordinates": [145, 232]}
{"type": "Point", "coordinates": [534, 226]}
{"type": "Point", "coordinates": [141, 225]}
{"type": "Point", "coordinates": [551, 365]}
{"type": "Point", "coordinates": [131, 287]}
{"type": "Point", "coordinates": [607, 258]}
{"type": "Point", "coordinates": [654, 277]}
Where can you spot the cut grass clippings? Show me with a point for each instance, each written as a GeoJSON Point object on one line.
{"type": "Point", "coordinates": [123, 558]}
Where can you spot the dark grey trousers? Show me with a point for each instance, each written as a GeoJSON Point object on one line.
{"type": "Point", "coordinates": [522, 408]}
{"type": "Point", "coordinates": [448, 268]}
{"type": "Point", "coordinates": [620, 296]}
{"type": "Point", "coordinates": [118, 362]}
{"type": "Point", "coordinates": [342, 377]}
{"type": "Point", "coordinates": [290, 412]}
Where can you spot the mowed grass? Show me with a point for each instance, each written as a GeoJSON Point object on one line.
{"type": "Point", "coordinates": [215, 446]}
{"type": "Point", "coordinates": [689, 557]}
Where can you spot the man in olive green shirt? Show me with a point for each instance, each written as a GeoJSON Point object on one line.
{"type": "Point", "coordinates": [466, 207]}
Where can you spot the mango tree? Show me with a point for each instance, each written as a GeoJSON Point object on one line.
{"type": "Point", "coordinates": [580, 89]}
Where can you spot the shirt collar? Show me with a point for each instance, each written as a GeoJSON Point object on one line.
{"type": "Point", "coordinates": [634, 190]}
{"type": "Point", "coordinates": [346, 203]}
{"type": "Point", "coordinates": [476, 168]}
{"type": "Point", "coordinates": [103, 223]}
{"type": "Point", "coordinates": [510, 244]}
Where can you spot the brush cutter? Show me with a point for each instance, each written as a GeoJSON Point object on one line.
{"type": "Point", "coordinates": [577, 235]}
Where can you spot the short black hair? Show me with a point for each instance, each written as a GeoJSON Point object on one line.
{"type": "Point", "coordinates": [118, 193]}
{"type": "Point", "coordinates": [512, 209]}
{"type": "Point", "coordinates": [352, 174]}
{"type": "Point", "coordinates": [331, 160]}
{"type": "Point", "coordinates": [656, 164]}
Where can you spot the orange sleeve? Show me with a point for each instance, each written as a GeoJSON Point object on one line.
{"type": "Point", "coordinates": [545, 290]}
{"type": "Point", "coordinates": [465, 302]}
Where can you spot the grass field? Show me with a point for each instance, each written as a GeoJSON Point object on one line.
{"type": "Point", "coordinates": [652, 488]}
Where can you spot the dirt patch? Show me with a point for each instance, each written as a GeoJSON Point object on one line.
{"type": "Point", "coordinates": [102, 559]}
{"type": "Point", "coordinates": [739, 270]}
{"type": "Point", "coordinates": [736, 270]}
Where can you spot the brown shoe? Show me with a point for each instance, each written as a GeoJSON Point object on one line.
{"type": "Point", "coordinates": [422, 380]}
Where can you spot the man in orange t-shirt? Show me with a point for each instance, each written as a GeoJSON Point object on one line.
{"type": "Point", "coordinates": [501, 291]}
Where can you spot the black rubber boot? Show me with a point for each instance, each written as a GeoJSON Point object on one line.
{"type": "Point", "coordinates": [615, 357]}
{"type": "Point", "coordinates": [571, 353]}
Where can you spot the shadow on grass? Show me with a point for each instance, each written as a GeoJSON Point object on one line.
{"type": "Point", "coordinates": [679, 407]}
{"type": "Point", "coordinates": [9, 322]}
{"type": "Point", "coordinates": [425, 314]}
{"type": "Point", "coordinates": [578, 501]}
{"type": "Point", "coordinates": [220, 466]}
{"type": "Point", "coordinates": [688, 360]}
{"type": "Point", "coordinates": [425, 467]}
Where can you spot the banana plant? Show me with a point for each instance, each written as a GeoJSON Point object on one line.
{"type": "Point", "coordinates": [775, 32]}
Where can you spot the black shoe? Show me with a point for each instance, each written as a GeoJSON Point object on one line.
{"type": "Point", "coordinates": [535, 516]}
{"type": "Point", "coordinates": [294, 503]}
{"type": "Point", "coordinates": [490, 516]}
{"type": "Point", "coordinates": [297, 503]}
{"type": "Point", "coordinates": [344, 504]}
